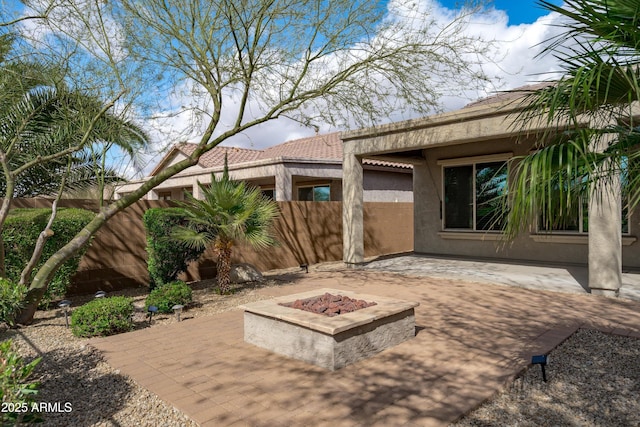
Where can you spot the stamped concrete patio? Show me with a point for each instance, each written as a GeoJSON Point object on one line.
{"type": "Point", "coordinates": [471, 340]}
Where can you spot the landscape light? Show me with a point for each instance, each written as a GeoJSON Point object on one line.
{"type": "Point", "coordinates": [152, 309]}
{"type": "Point", "coordinates": [177, 309]}
{"type": "Point", "coordinates": [64, 305]}
{"type": "Point", "coordinates": [100, 294]}
{"type": "Point", "coordinates": [541, 360]}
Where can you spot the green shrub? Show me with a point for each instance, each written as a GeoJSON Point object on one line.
{"type": "Point", "coordinates": [167, 257]}
{"type": "Point", "coordinates": [11, 300]}
{"type": "Point", "coordinates": [20, 233]}
{"type": "Point", "coordinates": [166, 296]}
{"type": "Point", "coordinates": [15, 390]}
{"type": "Point", "coordinates": [102, 317]}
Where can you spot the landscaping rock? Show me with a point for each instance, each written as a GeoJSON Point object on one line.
{"type": "Point", "coordinates": [242, 273]}
{"type": "Point", "coordinates": [329, 304]}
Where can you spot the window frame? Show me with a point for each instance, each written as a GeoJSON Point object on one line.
{"type": "Point", "coordinates": [313, 186]}
{"type": "Point", "coordinates": [265, 190]}
{"type": "Point", "coordinates": [583, 213]}
{"type": "Point", "coordinates": [583, 209]}
{"type": "Point", "coordinates": [468, 161]}
{"type": "Point", "coordinates": [165, 195]}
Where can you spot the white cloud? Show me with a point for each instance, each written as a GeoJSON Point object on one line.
{"type": "Point", "coordinates": [518, 48]}
{"type": "Point", "coordinates": [517, 64]}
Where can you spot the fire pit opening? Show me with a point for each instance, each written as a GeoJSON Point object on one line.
{"type": "Point", "coordinates": [329, 304]}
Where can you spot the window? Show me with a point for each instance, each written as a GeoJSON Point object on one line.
{"type": "Point", "coordinates": [575, 218]}
{"type": "Point", "coordinates": [164, 195]}
{"type": "Point", "coordinates": [472, 192]}
{"type": "Point", "coordinates": [317, 193]}
{"type": "Point", "coordinates": [269, 193]}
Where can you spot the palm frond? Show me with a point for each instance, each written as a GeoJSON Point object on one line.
{"type": "Point", "coordinates": [590, 133]}
{"type": "Point", "coordinates": [231, 211]}
{"type": "Point", "coordinates": [547, 185]}
{"type": "Point", "coordinates": [192, 237]}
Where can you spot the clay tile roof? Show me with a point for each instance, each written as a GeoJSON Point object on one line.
{"type": "Point", "coordinates": [509, 95]}
{"type": "Point", "coordinates": [328, 146]}
{"type": "Point", "coordinates": [215, 157]}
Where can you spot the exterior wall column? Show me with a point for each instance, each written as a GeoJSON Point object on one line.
{"type": "Point", "coordinates": [352, 208]}
{"type": "Point", "coordinates": [605, 237]}
{"type": "Point", "coordinates": [422, 184]}
{"type": "Point", "coordinates": [284, 184]}
{"type": "Point", "coordinates": [196, 191]}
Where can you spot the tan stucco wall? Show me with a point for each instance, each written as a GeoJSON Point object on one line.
{"type": "Point", "coordinates": [428, 235]}
{"type": "Point", "coordinates": [286, 177]}
{"type": "Point", "coordinates": [308, 232]}
{"type": "Point", "coordinates": [383, 186]}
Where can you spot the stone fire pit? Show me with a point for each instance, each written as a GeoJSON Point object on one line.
{"type": "Point", "coordinates": [329, 342]}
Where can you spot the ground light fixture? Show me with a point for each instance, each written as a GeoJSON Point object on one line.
{"type": "Point", "coordinates": [100, 294]}
{"type": "Point", "coordinates": [541, 360]}
{"type": "Point", "coordinates": [152, 309]}
{"type": "Point", "coordinates": [177, 309]}
{"type": "Point", "coordinates": [64, 305]}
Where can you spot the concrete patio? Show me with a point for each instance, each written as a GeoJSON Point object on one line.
{"type": "Point", "coordinates": [471, 340]}
{"type": "Point", "coordinates": [570, 278]}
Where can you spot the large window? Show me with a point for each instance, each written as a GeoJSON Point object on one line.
{"type": "Point", "coordinates": [573, 217]}
{"type": "Point", "coordinates": [576, 219]}
{"type": "Point", "coordinates": [316, 193]}
{"type": "Point", "coordinates": [472, 194]}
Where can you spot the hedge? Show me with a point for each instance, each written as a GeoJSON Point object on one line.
{"type": "Point", "coordinates": [20, 233]}
{"type": "Point", "coordinates": [168, 295]}
{"type": "Point", "coordinates": [167, 257]}
{"type": "Point", "coordinates": [103, 316]}
{"type": "Point", "coordinates": [12, 297]}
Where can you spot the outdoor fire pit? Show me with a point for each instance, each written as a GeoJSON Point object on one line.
{"type": "Point", "coordinates": [329, 341]}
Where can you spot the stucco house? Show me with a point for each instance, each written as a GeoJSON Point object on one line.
{"type": "Point", "coordinates": [452, 153]}
{"type": "Point", "coordinates": [307, 169]}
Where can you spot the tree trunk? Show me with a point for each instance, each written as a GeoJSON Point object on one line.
{"type": "Point", "coordinates": [42, 239]}
{"type": "Point", "coordinates": [34, 295]}
{"type": "Point", "coordinates": [45, 273]}
{"type": "Point", "coordinates": [223, 265]}
{"type": "Point", "coordinates": [4, 212]}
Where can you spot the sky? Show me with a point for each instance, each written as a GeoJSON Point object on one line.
{"type": "Point", "coordinates": [518, 27]}
{"type": "Point", "coordinates": [518, 11]}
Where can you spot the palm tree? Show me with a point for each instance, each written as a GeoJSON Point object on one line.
{"type": "Point", "coordinates": [230, 212]}
{"type": "Point", "coordinates": [589, 113]}
{"type": "Point", "coordinates": [49, 133]}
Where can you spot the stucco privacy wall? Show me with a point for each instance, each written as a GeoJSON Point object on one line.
{"type": "Point", "coordinates": [308, 232]}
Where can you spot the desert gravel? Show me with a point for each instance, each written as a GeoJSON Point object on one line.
{"type": "Point", "coordinates": [71, 372]}
{"type": "Point", "coordinates": [593, 378]}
